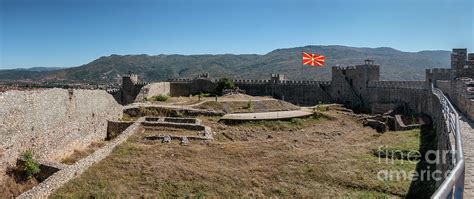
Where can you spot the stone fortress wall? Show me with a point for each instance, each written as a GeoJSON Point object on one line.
{"type": "Point", "coordinates": [52, 122]}
{"type": "Point", "coordinates": [397, 84]}
{"type": "Point", "coordinates": [296, 93]}
{"type": "Point", "coordinates": [461, 93]}
{"type": "Point", "coordinates": [354, 86]}
{"type": "Point", "coordinates": [359, 87]}
{"type": "Point", "coordinates": [457, 82]}
{"type": "Point", "coordinates": [153, 89]}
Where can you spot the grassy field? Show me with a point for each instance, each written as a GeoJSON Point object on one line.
{"type": "Point", "coordinates": [315, 157]}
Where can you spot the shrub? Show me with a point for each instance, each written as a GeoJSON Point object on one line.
{"type": "Point", "coordinates": [414, 120]}
{"type": "Point", "coordinates": [30, 167]}
{"type": "Point", "coordinates": [204, 94]}
{"type": "Point", "coordinates": [160, 98]}
{"type": "Point", "coordinates": [127, 117]}
{"type": "Point", "coordinates": [320, 107]}
{"type": "Point", "coordinates": [224, 83]}
{"type": "Point", "coordinates": [249, 106]}
{"type": "Point", "coordinates": [296, 121]}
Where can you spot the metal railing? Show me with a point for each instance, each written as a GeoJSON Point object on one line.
{"type": "Point", "coordinates": [453, 185]}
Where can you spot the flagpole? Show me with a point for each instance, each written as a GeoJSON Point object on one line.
{"type": "Point", "coordinates": [302, 65]}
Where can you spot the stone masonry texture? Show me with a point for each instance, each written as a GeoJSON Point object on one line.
{"type": "Point", "coordinates": [52, 122]}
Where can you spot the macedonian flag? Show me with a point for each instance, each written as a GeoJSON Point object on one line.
{"type": "Point", "coordinates": [313, 59]}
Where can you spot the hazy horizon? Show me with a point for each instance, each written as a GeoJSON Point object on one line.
{"type": "Point", "coordinates": [63, 67]}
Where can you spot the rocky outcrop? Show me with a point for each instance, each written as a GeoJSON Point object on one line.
{"type": "Point", "coordinates": [52, 122]}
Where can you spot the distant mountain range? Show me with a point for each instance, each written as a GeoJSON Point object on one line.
{"type": "Point", "coordinates": [395, 65]}
{"type": "Point", "coordinates": [39, 69]}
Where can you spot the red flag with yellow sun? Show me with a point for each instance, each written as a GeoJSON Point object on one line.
{"type": "Point", "coordinates": [313, 59]}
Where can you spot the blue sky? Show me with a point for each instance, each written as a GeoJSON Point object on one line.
{"type": "Point", "coordinates": [64, 33]}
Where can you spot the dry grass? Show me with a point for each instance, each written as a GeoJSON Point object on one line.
{"type": "Point", "coordinates": [79, 154]}
{"type": "Point", "coordinates": [321, 158]}
{"type": "Point", "coordinates": [126, 117]}
{"type": "Point", "coordinates": [243, 106]}
{"type": "Point", "coordinates": [13, 185]}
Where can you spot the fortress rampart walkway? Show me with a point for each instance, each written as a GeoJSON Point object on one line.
{"type": "Point", "coordinates": [467, 133]}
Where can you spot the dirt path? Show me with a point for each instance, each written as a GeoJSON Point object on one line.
{"type": "Point", "coordinates": [267, 115]}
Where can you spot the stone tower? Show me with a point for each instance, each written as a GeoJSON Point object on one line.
{"type": "Point", "coordinates": [458, 58]}
{"type": "Point", "coordinates": [129, 88]}
{"type": "Point", "coordinates": [349, 84]}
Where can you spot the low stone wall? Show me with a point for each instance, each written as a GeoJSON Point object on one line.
{"type": "Point", "coordinates": [46, 168]}
{"type": "Point", "coordinates": [58, 179]}
{"type": "Point", "coordinates": [182, 120]}
{"type": "Point", "coordinates": [399, 125]}
{"type": "Point", "coordinates": [141, 110]}
{"type": "Point", "coordinates": [114, 128]}
{"type": "Point", "coordinates": [192, 124]}
{"type": "Point", "coordinates": [193, 127]}
{"type": "Point", "coordinates": [174, 120]}
{"type": "Point", "coordinates": [52, 122]}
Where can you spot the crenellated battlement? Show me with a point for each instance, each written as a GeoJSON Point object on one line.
{"type": "Point", "coordinates": [140, 83]}
{"type": "Point", "coordinates": [439, 70]}
{"type": "Point", "coordinates": [328, 83]}
{"type": "Point", "coordinates": [341, 68]}
{"type": "Point", "coordinates": [266, 81]}
{"type": "Point", "coordinates": [252, 81]}
{"type": "Point", "coordinates": [259, 81]}
{"type": "Point", "coordinates": [181, 80]}
{"type": "Point", "coordinates": [113, 91]}
{"type": "Point", "coordinates": [369, 64]}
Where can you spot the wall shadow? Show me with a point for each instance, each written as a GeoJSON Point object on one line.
{"type": "Point", "coordinates": [422, 187]}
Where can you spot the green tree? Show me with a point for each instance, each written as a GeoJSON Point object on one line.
{"type": "Point", "coordinates": [224, 83]}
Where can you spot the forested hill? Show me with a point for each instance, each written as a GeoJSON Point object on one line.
{"type": "Point", "coordinates": [395, 65]}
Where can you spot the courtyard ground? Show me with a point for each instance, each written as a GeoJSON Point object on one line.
{"type": "Point", "coordinates": [236, 103]}
{"type": "Point", "coordinates": [331, 155]}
